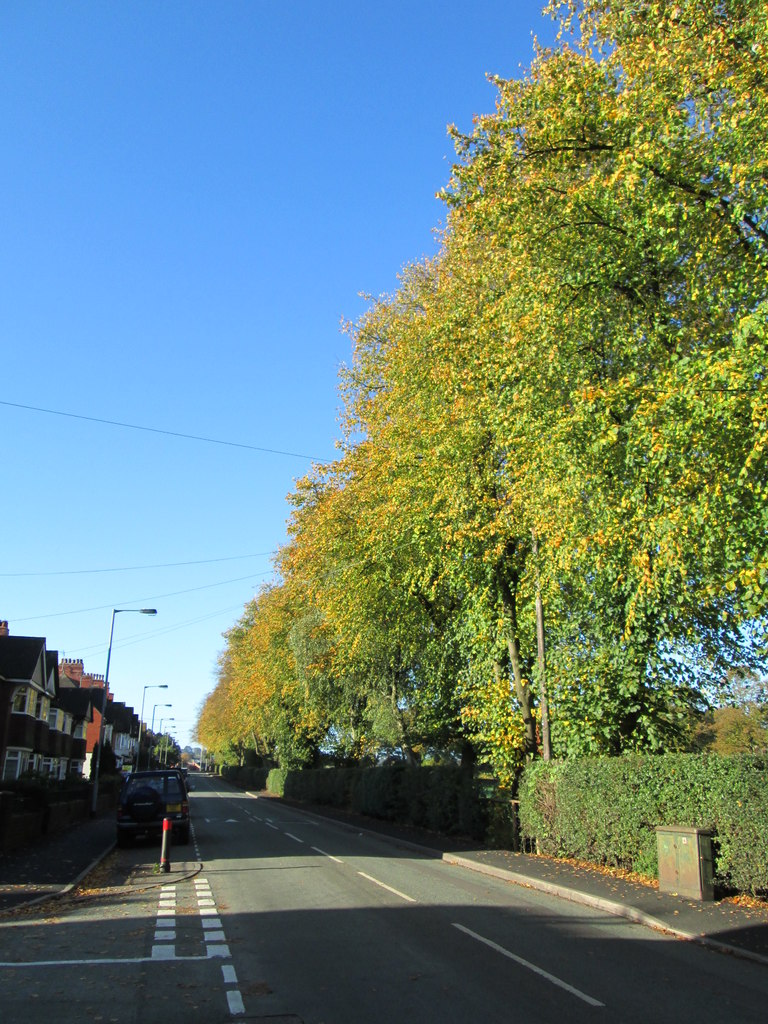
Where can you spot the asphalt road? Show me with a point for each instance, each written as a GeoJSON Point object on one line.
{"type": "Point", "coordinates": [291, 918]}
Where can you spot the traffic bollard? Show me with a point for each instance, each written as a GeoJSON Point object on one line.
{"type": "Point", "coordinates": [165, 850]}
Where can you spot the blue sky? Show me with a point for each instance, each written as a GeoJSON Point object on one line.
{"type": "Point", "coordinates": [193, 196]}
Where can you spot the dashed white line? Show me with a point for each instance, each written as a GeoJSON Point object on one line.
{"type": "Point", "coordinates": [235, 1003]}
{"type": "Point", "coordinates": [529, 966]}
{"type": "Point", "coordinates": [324, 854]}
{"type": "Point", "coordinates": [389, 888]}
{"type": "Point", "coordinates": [295, 838]}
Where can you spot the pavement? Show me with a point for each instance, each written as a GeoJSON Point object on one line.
{"type": "Point", "coordinates": [57, 864]}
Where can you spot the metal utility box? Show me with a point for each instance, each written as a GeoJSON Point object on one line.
{"type": "Point", "coordinates": [685, 861]}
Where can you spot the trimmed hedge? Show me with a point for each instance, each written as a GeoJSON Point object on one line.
{"type": "Point", "coordinates": [441, 799]}
{"type": "Point", "coordinates": [245, 777]}
{"type": "Point", "coordinates": [605, 810]}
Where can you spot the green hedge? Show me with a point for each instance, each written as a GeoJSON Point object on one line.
{"type": "Point", "coordinates": [245, 777]}
{"type": "Point", "coordinates": [605, 810]}
{"type": "Point", "coordinates": [441, 799]}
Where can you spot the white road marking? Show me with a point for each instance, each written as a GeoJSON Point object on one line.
{"type": "Point", "coordinates": [218, 949]}
{"type": "Point", "coordinates": [163, 953]}
{"type": "Point", "coordinates": [235, 1002]}
{"type": "Point", "coordinates": [324, 854]}
{"type": "Point", "coordinates": [295, 838]}
{"type": "Point", "coordinates": [228, 974]}
{"type": "Point", "coordinates": [529, 966]}
{"type": "Point", "coordinates": [389, 888]}
{"type": "Point", "coordinates": [96, 962]}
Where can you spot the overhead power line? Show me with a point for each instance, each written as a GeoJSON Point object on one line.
{"type": "Point", "coordinates": [143, 600]}
{"type": "Point", "coordinates": [157, 430]}
{"type": "Point", "coordinates": [134, 568]}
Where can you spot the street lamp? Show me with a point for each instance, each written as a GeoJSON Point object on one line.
{"type": "Point", "coordinates": [164, 756]}
{"type": "Point", "coordinates": [160, 686]}
{"type": "Point", "coordinates": [115, 611]}
{"type": "Point", "coordinates": [152, 727]}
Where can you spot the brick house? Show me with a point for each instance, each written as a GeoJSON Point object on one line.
{"type": "Point", "coordinates": [121, 724]}
{"type": "Point", "coordinates": [50, 712]}
{"type": "Point", "coordinates": [41, 730]}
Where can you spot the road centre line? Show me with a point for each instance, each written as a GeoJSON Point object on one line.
{"type": "Point", "coordinates": [324, 854]}
{"type": "Point", "coordinates": [529, 966]}
{"type": "Point", "coordinates": [292, 836]}
{"type": "Point", "coordinates": [389, 888]}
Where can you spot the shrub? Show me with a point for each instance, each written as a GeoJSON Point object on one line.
{"type": "Point", "coordinates": [605, 810]}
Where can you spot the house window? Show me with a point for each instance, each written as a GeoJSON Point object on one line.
{"type": "Point", "coordinates": [16, 763]}
{"type": "Point", "coordinates": [20, 700]}
{"type": "Point", "coordinates": [79, 731]}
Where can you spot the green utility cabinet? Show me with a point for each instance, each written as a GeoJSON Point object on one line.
{"type": "Point", "coordinates": [685, 861]}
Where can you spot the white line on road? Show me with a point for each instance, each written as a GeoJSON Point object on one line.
{"type": "Point", "coordinates": [235, 1003]}
{"type": "Point", "coordinates": [292, 836]}
{"type": "Point", "coordinates": [529, 966]}
{"type": "Point", "coordinates": [324, 854]}
{"type": "Point", "coordinates": [106, 961]}
{"type": "Point", "coordinates": [387, 887]}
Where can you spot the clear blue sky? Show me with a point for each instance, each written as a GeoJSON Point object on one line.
{"type": "Point", "coordinates": [192, 198]}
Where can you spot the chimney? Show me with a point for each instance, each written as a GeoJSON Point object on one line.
{"type": "Point", "coordinates": [4, 628]}
{"type": "Point", "coordinates": [73, 668]}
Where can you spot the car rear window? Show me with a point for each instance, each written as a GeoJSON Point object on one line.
{"type": "Point", "coordinates": [168, 786]}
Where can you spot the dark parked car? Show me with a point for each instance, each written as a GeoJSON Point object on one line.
{"type": "Point", "coordinates": [146, 799]}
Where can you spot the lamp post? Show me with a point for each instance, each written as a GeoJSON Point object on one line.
{"type": "Point", "coordinates": [164, 756]}
{"type": "Point", "coordinates": [115, 611]}
{"type": "Point", "coordinates": [160, 686]}
{"type": "Point", "coordinates": [152, 727]}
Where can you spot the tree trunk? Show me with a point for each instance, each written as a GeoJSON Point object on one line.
{"type": "Point", "coordinates": [522, 691]}
{"type": "Point", "coordinates": [546, 747]}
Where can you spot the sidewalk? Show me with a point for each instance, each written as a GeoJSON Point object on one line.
{"type": "Point", "coordinates": [55, 865]}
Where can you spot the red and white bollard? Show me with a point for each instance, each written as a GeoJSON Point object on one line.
{"type": "Point", "coordinates": [165, 850]}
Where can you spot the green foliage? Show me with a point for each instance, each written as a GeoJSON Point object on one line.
{"type": "Point", "coordinates": [276, 781]}
{"type": "Point", "coordinates": [441, 799]}
{"type": "Point", "coordinates": [605, 810]}
{"type": "Point", "coordinates": [245, 777]}
{"type": "Point", "coordinates": [564, 411]}
{"type": "Point", "coordinates": [107, 761]}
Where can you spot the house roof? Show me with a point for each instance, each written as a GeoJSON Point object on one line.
{"type": "Point", "coordinates": [76, 701]}
{"type": "Point", "coordinates": [123, 718]}
{"type": "Point", "coordinates": [24, 659]}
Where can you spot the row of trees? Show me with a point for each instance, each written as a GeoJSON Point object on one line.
{"type": "Point", "coordinates": [546, 527]}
